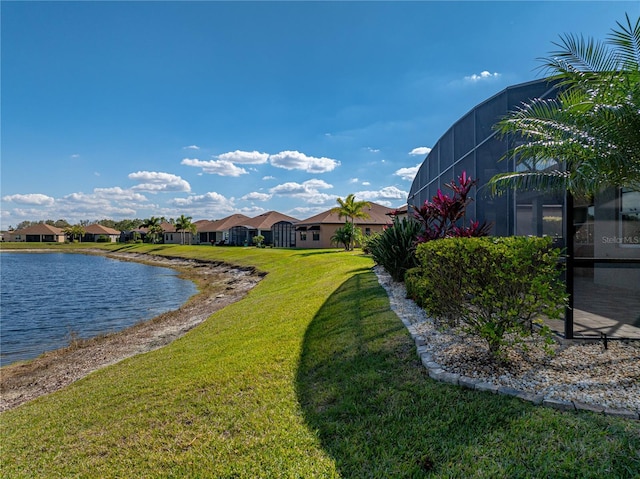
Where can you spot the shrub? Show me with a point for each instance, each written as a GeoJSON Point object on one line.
{"type": "Point", "coordinates": [494, 286]}
{"type": "Point", "coordinates": [444, 215]}
{"type": "Point", "coordinates": [258, 241]}
{"type": "Point", "coordinates": [347, 235]}
{"type": "Point", "coordinates": [367, 241]}
{"type": "Point", "coordinates": [102, 239]}
{"type": "Point", "coordinates": [394, 248]}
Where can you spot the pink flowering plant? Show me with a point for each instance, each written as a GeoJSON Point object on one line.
{"type": "Point", "coordinates": [444, 216]}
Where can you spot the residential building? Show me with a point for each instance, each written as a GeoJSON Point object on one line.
{"type": "Point", "coordinates": [95, 232]}
{"type": "Point", "coordinates": [276, 228]}
{"type": "Point", "coordinates": [217, 232]}
{"type": "Point", "coordinates": [317, 231]}
{"type": "Point", "coordinates": [38, 233]}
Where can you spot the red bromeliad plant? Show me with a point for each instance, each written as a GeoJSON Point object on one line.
{"type": "Point", "coordinates": [442, 216]}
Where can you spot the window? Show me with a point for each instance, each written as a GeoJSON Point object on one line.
{"type": "Point", "coordinates": [316, 236]}
{"type": "Point", "coordinates": [367, 231]}
{"type": "Point", "coordinates": [629, 217]}
{"type": "Point", "coordinates": [303, 236]}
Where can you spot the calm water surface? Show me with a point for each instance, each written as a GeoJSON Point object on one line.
{"type": "Point", "coordinates": [45, 297]}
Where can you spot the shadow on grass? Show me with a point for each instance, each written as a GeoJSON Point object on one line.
{"type": "Point", "coordinates": [376, 412]}
{"type": "Point", "coordinates": [316, 252]}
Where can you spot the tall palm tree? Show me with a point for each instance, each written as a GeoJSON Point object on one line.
{"type": "Point", "coordinates": [349, 208]}
{"type": "Point", "coordinates": [183, 224]}
{"type": "Point", "coordinates": [588, 138]}
{"type": "Point", "coordinates": [153, 226]}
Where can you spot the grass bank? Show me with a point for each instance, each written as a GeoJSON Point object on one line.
{"type": "Point", "coordinates": [310, 375]}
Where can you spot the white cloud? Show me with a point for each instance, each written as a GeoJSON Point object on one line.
{"type": "Point", "coordinates": [484, 75]}
{"type": "Point", "coordinates": [373, 150]}
{"type": "Point", "coordinates": [256, 196]}
{"type": "Point", "coordinates": [215, 167]}
{"type": "Point", "coordinates": [251, 211]}
{"type": "Point", "coordinates": [353, 180]}
{"type": "Point", "coordinates": [304, 212]}
{"type": "Point", "coordinates": [307, 191]}
{"type": "Point", "coordinates": [366, 183]}
{"type": "Point", "coordinates": [386, 193]}
{"type": "Point", "coordinates": [294, 160]}
{"type": "Point", "coordinates": [30, 199]}
{"type": "Point", "coordinates": [245, 157]}
{"type": "Point", "coordinates": [408, 173]}
{"type": "Point", "coordinates": [421, 150]}
{"type": "Point", "coordinates": [265, 178]}
{"type": "Point", "coordinates": [118, 194]}
{"type": "Point", "coordinates": [208, 200]}
{"type": "Point", "coordinates": [191, 147]}
{"type": "Point", "coordinates": [75, 155]}
{"type": "Point", "coordinates": [79, 206]}
{"type": "Point", "coordinates": [156, 181]}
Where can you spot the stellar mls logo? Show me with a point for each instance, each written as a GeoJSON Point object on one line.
{"type": "Point", "coordinates": [621, 239]}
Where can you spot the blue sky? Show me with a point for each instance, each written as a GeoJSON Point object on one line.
{"type": "Point", "coordinates": [132, 109]}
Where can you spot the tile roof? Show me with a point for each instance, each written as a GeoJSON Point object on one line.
{"type": "Point", "coordinates": [40, 229]}
{"type": "Point", "coordinates": [97, 229]}
{"type": "Point", "coordinates": [378, 215]}
{"type": "Point", "coordinates": [266, 220]}
{"type": "Point", "coordinates": [227, 223]}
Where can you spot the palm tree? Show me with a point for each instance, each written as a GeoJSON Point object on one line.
{"type": "Point", "coordinates": [154, 228]}
{"type": "Point", "coordinates": [343, 235]}
{"type": "Point", "coordinates": [588, 138]}
{"type": "Point", "coordinates": [351, 209]}
{"type": "Point", "coordinates": [75, 231]}
{"type": "Point", "coordinates": [183, 224]}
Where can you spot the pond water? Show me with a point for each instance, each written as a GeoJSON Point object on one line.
{"type": "Point", "coordinates": [46, 298]}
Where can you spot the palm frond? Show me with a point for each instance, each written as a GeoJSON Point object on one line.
{"type": "Point", "coordinates": [529, 180]}
{"type": "Point", "coordinates": [576, 54]}
{"type": "Point", "coordinates": [627, 43]}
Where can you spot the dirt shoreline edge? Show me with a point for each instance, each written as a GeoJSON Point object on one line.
{"type": "Point", "coordinates": [219, 284]}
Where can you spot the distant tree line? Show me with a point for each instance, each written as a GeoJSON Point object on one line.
{"type": "Point", "coordinates": [122, 225]}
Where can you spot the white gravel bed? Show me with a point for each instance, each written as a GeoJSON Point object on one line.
{"type": "Point", "coordinates": [583, 373]}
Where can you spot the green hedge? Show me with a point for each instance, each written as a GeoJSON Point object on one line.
{"type": "Point", "coordinates": [491, 285]}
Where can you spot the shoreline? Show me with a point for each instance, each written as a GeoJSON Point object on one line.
{"type": "Point", "coordinates": [219, 284]}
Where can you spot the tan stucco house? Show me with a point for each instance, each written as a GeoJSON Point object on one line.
{"type": "Point", "coordinates": [38, 233]}
{"type": "Point", "coordinates": [316, 232]}
{"type": "Point", "coordinates": [95, 231]}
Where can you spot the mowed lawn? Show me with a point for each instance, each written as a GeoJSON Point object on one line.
{"type": "Point", "coordinates": [310, 375]}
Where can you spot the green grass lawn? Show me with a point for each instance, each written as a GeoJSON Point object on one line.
{"type": "Point", "coordinates": [311, 375]}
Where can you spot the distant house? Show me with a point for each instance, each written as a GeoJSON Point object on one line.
{"type": "Point", "coordinates": [277, 229]}
{"type": "Point", "coordinates": [217, 232]}
{"type": "Point", "coordinates": [316, 232]}
{"type": "Point", "coordinates": [132, 235]}
{"type": "Point", "coordinates": [38, 233]}
{"type": "Point", "coordinates": [402, 212]}
{"type": "Point", "coordinates": [168, 234]}
{"type": "Point", "coordinates": [171, 235]}
{"type": "Point", "coordinates": [94, 232]}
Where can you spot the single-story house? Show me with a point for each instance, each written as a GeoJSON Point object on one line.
{"type": "Point", "coordinates": [316, 232]}
{"type": "Point", "coordinates": [277, 229]}
{"type": "Point", "coordinates": [38, 233]}
{"type": "Point", "coordinates": [217, 231]}
{"type": "Point", "coordinates": [95, 231]}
